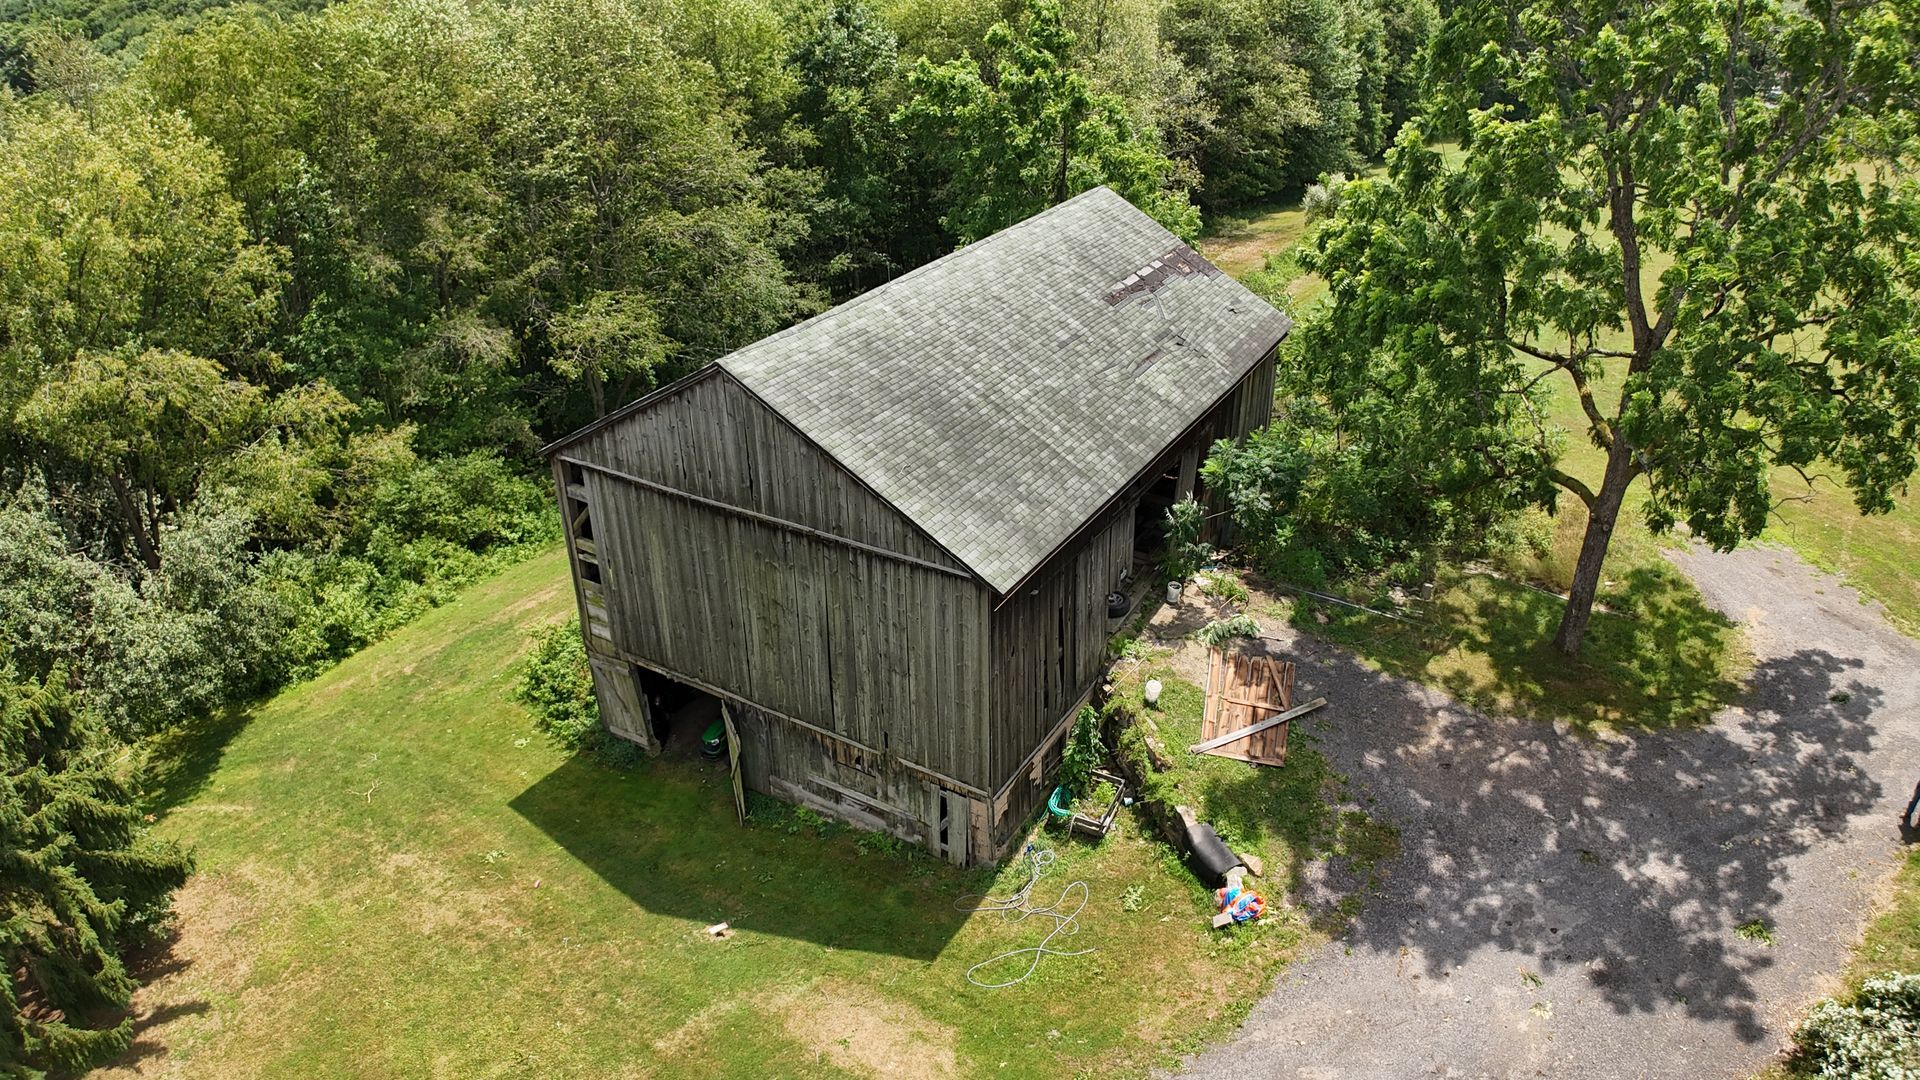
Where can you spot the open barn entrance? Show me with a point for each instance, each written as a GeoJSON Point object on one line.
{"type": "Point", "coordinates": [681, 715]}
{"type": "Point", "coordinates": [1150, 515]}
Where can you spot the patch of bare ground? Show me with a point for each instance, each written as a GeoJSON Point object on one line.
{"type": "Point", "coordinates": [203, 958]}
{"type": "Point", "coordinates": [855, 1029]}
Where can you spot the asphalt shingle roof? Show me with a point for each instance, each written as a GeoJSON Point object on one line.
{"type": "Point", "coordinates": [1001, 395]}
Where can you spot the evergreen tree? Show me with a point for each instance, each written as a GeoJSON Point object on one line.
{"type": "Point", "coordinates": [79, 881]}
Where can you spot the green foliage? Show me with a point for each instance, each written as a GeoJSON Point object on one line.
{"type": "Point", "coordinates": [1872, 1034]}
{"type": "Point", "coordinates": [1083, 751]}
{"type": "Point", "coordinates": [1224, 586]}
{"type": "Point", "coordinates": [868, 220]}
{"type": "Point", "coordinates": [557, 686]}
{"type": "Point", "coordinates": [1185, 550]}
{"type": "Point", "coordinates": [1712, 201]}
{"type": "Point", "coordinates": [1756, 931]}
{"type": "Point", "coordinates": [885, 845]}
{"type": "Point", "coordinates": [1134, 898]}
{"type": "Point", "coordinates": [1376, 490]}
{"type": "Point", "coordinates": [1021, 129]}
{"type": "Point", "coordinates": [80, 882]}
{"type": "Point", "coordinates": [1218, 632]}
{"type": "Point", "coordinates": [1284, 81]}
{"type": "Point", "coordinates": [485, 209]}
{"type": "Point", "coordinates": [1322, 198]}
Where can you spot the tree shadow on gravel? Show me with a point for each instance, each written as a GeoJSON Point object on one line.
{"type": "Point", "coordinates": [1634, 860]}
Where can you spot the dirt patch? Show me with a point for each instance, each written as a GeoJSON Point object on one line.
{"type": "Point", "coordinates": [857, 1030]}
{"type": "Point", "coordinates": [205, 959]}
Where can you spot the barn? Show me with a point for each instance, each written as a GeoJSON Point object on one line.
{"type": "Point", "coordinates": [884, 538]}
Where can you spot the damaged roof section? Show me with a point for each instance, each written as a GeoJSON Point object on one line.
{"type": "Point", "coordinates": [1001, 395]}
{"type": "Point", "coordinates": [1175, 261]}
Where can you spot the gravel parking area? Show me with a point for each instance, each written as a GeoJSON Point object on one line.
{"type": "Point", "coordinates": [1647, 906]}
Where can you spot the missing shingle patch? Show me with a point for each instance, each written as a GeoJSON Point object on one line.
{"type": "Point", "coordinates": [1177, 262]}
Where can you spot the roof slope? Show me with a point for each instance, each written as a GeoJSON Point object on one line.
{"type": "Point", "coordinates": [1001, 395]}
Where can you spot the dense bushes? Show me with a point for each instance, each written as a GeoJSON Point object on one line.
{"type": "Point", "coordinates": [557, 686]}
{"type": "Point", "coordinates": [1316, 499]}
{"type": "Point", "coordinates": [1872, 1035]}
{"type": "Point", "coordinates": [219, 619]}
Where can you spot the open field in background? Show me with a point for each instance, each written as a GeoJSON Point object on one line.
{"type": "Point", "coordinates": [1261, 242]}
{"type": "Point", "coordinates": [398, 877]}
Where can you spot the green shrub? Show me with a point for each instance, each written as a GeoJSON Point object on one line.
{"type": "Point", "coordinates": [1185, 552]}
{"type": "Point", "coordinates": [1873, 1036]}
{"type": "Point", "coordinates": [557, 687]}
{"type": "Point", "coordinates": [1224, 586]}
{"type": "Point", "coordinates": [1319, 497]}
{"type": "Point", "coordinates": [1083, 751]}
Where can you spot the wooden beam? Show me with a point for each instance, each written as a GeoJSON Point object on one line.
{"type": "Point", "coordinates": [1236, 736]}
{"type": "Point", "coordinates": [764, 519]}
{"type": "Point", "coordinates": [940, 778]}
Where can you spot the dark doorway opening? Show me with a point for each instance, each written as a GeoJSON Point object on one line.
{"type": "Point", "coordinates": [682, 715]}
{"type": "Point", "coordinates": [1150, 516]}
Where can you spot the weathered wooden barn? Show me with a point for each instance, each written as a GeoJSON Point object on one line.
{"type": "Point", "coordinates": [885, 537]}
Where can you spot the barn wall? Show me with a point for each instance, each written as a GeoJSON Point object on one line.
{"type": "Point", "coordinates": [1050, 641]}
{"type": "Point", "coordinates": [797, 766]}
{"type": "Point", "coordinates": [887, 653]}
{"type": "Point", "coordinates": [714, 439]}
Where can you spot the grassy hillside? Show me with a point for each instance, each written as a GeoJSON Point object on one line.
{"type": "Point", "coordinates": [398, 878]}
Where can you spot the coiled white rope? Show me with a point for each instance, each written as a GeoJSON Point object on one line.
{"type": "Point", "coordinates": [1016, 908]}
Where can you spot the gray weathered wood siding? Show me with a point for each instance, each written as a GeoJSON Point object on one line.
{"type": "Point", "coordinates": [885, 651]}
{"type": "Point", "coordinates": [1050, 640]}
{"type": "Point", "coordinates": [714, 439]}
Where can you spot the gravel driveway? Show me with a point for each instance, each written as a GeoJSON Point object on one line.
{"type": "Point", "coordinates": [1567, 907]}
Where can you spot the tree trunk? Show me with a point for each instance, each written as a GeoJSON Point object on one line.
{"type": "Point", "coordinates": [136, 522]}
{"type": "Point", "coordinates": [1601, 516]}
{"type": "Point", "coordinates": [597, 390]}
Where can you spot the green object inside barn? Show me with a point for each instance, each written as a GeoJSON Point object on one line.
{"type": "Point", "coordinates": [713, 741]}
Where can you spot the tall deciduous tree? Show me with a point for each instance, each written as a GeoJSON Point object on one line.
{"type": "Point", "coordinates": [1708, 202]}
{"type": "Point", "coordinates": [1023, 130]}
{"type": "Point", "coordinates": [130, 296]}
{"type": "Point", "coordinates": [1282, 76]}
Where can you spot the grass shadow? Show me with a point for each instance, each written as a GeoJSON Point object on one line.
{"type": "Point", "coordinates": [664, 834]}
{"type": "Point", "coordinates": [1656, 657]}
{"type": "Point", "coordinates": [179, 762]}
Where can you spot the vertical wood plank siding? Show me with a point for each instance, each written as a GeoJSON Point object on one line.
{"type": "Point", "coordinates": [1050, 642]}
{"type": "Point", "coordinates": [715, 439]}
{"type": "Point", "coordinates": [881, 651]}
{"type": "Point", "coordinates": [886, 653]}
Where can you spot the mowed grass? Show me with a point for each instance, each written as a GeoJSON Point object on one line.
{"type": "Point", "coordinates": [1256, 245]}
{"type": "Point", "coordinates": [397, 877]}
{"type": "Point", "coordinates": [1289, 816]}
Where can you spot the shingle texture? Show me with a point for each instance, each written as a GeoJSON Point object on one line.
{"type": "Point", "coordinates": [1001, 395]}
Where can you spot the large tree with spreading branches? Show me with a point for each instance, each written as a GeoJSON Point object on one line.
{"type": "Point", "coordinates": [1709, 205]}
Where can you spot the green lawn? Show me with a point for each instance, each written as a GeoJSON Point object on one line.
{"type": "Point", "coordinates": [398, 878]}
{"type": "Point", "coordinates": [1289, 816]}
